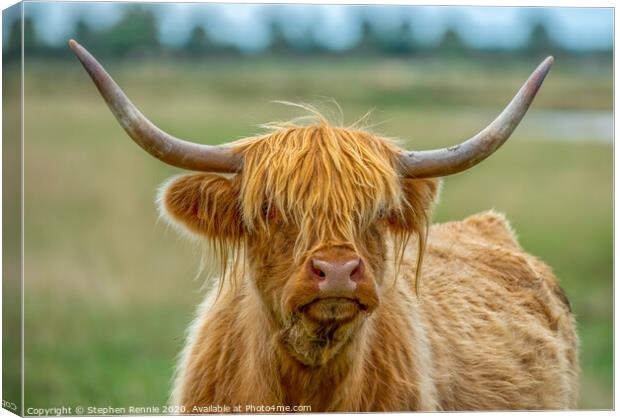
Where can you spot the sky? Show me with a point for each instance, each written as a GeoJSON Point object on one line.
{"type": "Point", "coordinates": [337, 27]}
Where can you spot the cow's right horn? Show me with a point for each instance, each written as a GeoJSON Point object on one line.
{"type": "Point", "coordinates": [159, 144]}
{"type": "Point", "coordinates": [454, 159]}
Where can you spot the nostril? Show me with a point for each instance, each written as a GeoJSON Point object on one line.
{"type": "Point", "coordinates": [316, 270]}
{"type": "Point", "coordinates": [358, 270]}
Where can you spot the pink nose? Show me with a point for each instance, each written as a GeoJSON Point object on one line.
{"type": "Point", "coordinates": [337, 277]}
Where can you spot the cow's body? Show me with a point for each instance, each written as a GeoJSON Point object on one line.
{"type": "Point", "coordinates": [491, 329]}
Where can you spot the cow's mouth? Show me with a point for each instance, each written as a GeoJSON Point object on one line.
{"type": "Point", "coordinates": [333, 309]}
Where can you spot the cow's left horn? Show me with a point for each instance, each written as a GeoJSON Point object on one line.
{"type": "Point", "coordinates": [451, 160]}
{"type": "Point", "coordinates": [167, 148]}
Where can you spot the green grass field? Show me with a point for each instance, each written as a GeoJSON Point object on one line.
{"type": "Point", "coordinates": [110, 290]}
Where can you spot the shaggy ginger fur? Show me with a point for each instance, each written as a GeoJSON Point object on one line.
{"type": "Point", "coordinates": [490, 329]}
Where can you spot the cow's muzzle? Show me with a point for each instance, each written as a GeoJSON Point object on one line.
{"type": "Point", "coordinates": [343, 286]}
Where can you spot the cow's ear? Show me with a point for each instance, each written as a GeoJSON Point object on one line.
{"type": "Point", "coordinates": [420, 196]}
{"type": "Point", "coordinates": [203, 204]}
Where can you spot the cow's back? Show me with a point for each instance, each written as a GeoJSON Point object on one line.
{"type": "Point", "coordinates": [500, 327]}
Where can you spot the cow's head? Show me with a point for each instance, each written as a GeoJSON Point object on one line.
{"type": "Point", "coordinates": [319, 213]}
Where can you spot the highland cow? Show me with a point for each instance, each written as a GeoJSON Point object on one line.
{"type": "Point", "coordinates": [335, 293]}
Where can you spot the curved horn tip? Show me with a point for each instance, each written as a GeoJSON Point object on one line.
{"type": "Point", "coordinates": [542, 70]}
{"type": "Point", "coordinates": [546, 64]}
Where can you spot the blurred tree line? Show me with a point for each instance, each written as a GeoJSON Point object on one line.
{"type": "Point", "coordinates": [136, 34]}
